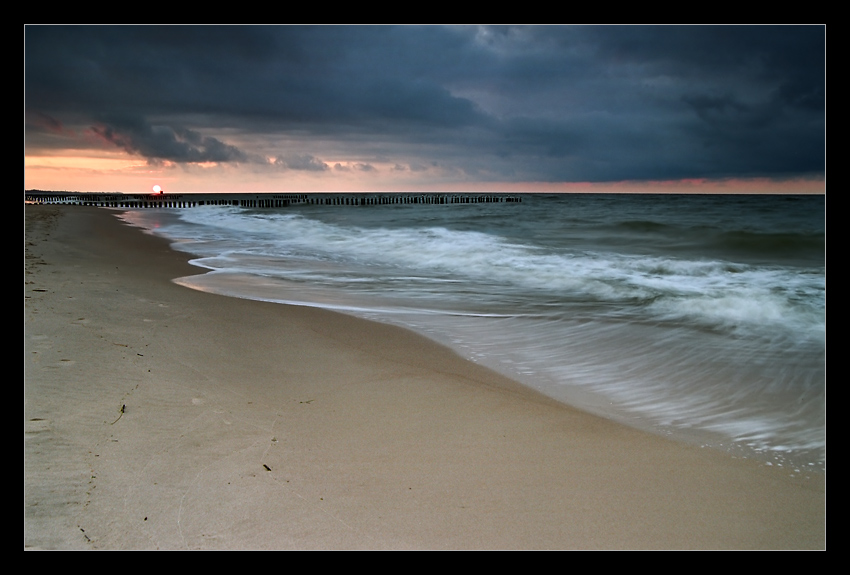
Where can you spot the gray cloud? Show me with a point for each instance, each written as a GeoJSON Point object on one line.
{"type": "Point", "coordinates": [165, 142]}
{"type": "Point", "coordinates": [301, 162]}
{"type": "Point", "coordinates": [549, 103]}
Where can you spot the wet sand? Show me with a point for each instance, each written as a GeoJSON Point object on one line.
{"type": "Point", "coordinates": [159, 417]}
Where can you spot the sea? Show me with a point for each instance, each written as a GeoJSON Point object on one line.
{"type": "Point", "coordinates": [697, 317]}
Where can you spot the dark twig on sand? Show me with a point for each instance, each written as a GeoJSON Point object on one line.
{"type": "Point", "coordinates": [123, 407]}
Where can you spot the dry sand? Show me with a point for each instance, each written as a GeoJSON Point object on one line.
{"type": "Point", "coordinates": [158, 417]}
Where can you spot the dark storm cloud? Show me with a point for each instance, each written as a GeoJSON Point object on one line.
{"type": "Point", "coordinates": [544, 103]}
{"type": "Point", "coordinates": [165, 142]}
{"type": "Point", "coordinates": [283, 75]}
{"type": "Point", "coordinates": [300, 162]}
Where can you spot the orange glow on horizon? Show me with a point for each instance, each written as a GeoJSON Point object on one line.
{"type": "Point", "coordinates": [127, 174]}
{"type": "Point", "coordinates": [83, 163]}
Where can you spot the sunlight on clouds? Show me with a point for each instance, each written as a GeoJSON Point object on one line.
{"type": "Point", "coordinates": [83, 163]}
{"type": "Point", "coordinates": [92, 173]}
{"type": "Point", "coordinates": [133, 175]}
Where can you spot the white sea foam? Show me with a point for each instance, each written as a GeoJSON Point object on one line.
{"type": "Point", "coordinates": [623, 318]}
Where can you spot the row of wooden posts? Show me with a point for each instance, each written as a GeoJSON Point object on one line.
{"type": "Point", "coordinates": [166, 200]}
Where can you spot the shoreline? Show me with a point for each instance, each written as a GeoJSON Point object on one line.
{"type": "Point", "coordinates": [255, 425]}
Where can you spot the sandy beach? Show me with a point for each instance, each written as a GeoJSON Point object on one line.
{"type": "Point", "coordinates": [159, 417]}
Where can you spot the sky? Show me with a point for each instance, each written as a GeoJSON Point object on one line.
{"type": "Point", "coordinates": [425, 108]}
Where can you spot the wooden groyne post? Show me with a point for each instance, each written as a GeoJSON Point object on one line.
{"type": "Point", "coordinates": [253, 200]}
